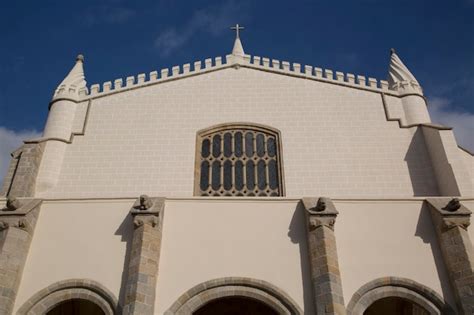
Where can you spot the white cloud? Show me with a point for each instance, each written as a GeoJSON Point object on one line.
{"type": "Point", "coordinates": [462, 122]}
{"type": "Point", "coordinates": [11, 140]}
{"type": "Point", "coordinates": [213, 19]}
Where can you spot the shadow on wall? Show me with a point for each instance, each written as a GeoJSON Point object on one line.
{"type": "Point", "coordinates": [425, 230]}
{"type": "Point", "coordinates": [420, 168]}
{"type": "Point", "coordinates": [125, 230]}
{"type": "Point", "coordinates": [297, 235]}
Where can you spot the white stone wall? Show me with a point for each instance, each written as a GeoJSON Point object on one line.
{"type": "Point", "coordinates": [336, 140]}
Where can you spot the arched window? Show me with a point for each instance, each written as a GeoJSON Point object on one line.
{"type": "Point", "coordinates": [239, 160]}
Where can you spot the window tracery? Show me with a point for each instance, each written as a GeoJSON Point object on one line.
{"type": "Point", "coordinates": [239, 160]}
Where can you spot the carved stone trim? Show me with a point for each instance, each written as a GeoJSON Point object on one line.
{"type": "Point", "coordinates": [260, 290]}
{"type": "Point", "coordinates": [400, 287]}
{"type": "Point", "coordinates": [320, 212]}
{"type": "Point", "coordinates": [46, 299]}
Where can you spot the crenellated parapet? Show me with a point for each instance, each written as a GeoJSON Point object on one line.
{"type": "Point", "coordinates": [232, 61]}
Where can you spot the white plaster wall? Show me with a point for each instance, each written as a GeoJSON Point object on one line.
{"type": "Point", "coordinates": [336, 140]}
{"type": "Point", "coordinates": [381, 239]}
{"type": "Point", "coordinates": [208, 238]}
{"type": "Point", "coordinates": [77, 239]}
{"type": "Point", "coordinates": [204, 240]}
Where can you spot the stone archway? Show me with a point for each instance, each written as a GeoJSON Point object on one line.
{"type": "Point", "coordinates": [400, 290]}
{"type": "Point", "coordinates": [73, 289]}
{"type": "Point", "coordinates": [260, 293]}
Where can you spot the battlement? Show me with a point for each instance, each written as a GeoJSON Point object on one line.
{"type": "Point", "coordinates": [325, 75]}
{"type": "Point", "coordinates": [255, 62]}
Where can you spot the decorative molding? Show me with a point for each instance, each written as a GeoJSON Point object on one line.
{"type": "Point", "coordinates": [397, 287]}
{"type": "Point", "coordinates": [260, 290]}
{"type": "Point", "coordinates": [320, 212]}
{"type": "Point", "coordinates": [147, 210]}
{"type": "Point", "coordinates": [90, 290]}
{"type": "Point", "coordinates": [149, 219]}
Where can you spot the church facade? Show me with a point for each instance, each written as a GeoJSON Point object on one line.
{"type": "Point", "coordinates": [239, 185]}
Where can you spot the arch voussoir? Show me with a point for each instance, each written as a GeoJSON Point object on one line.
{"type": "Point", "coordinates": [259, 290]}
{"type": "Point", "coordinates": [81, 289]}
{"type": "Point", "coordinates": [397, 287]}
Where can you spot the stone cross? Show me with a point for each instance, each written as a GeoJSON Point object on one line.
{"type": "Point", "coordinates": [237, 28]}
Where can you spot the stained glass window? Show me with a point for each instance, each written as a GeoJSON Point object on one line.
{"type": "Point", "coordinates": [239, 160]}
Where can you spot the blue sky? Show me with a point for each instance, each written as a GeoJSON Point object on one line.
{"type": "Point", "coordinates": [40, 40]}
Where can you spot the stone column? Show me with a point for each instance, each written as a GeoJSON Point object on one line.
{"type": "Point", "coordinates": [17, 224]}
{"type": "Point", "coordinates": [325, 276]}
{"type": "Point", "coordinates": [145, 256]}
{"type": "Point", "coordinates": [451, 220]}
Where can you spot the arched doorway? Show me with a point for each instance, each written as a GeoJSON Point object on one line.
{"type": "Point", "coordinates": [235, 306]}
{"type": "Point", "coordinates": [395, 306]}
{"type": "Point", "coordinates": [76, 307]}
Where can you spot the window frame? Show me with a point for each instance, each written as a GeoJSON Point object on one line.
{"type": "Point", "coordinates": [254, 127]}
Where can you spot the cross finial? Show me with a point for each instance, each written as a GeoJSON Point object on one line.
{"type": "Point", "coordinates": [237, 28]}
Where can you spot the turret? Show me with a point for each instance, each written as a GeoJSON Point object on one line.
{"type": "Point", "coordinates": [63, 104]}
{"type": "Point", "coordinates": [402, 80]}
{"type": "Point", "coordinates": [58, 130]}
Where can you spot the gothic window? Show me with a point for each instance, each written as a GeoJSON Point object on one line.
{"type": "Point", "coordinates": [239, 160]}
